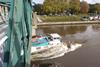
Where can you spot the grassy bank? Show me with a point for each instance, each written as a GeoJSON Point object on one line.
{"type": "Point", "coordinates": [59, 18]}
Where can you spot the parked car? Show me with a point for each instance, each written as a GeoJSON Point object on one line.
{"type": "Point", "coordinates": [85, 18]}
{"type": "Point", "coordinates": [95, 18]}
{"type": "Point", "coordinates": [91, 18]}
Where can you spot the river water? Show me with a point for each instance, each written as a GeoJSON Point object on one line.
{"type": "Point", "coordinates": [86, 56]}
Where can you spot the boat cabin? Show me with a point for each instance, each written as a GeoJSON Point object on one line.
{"type": "Point", "coordinates": [54, 38]}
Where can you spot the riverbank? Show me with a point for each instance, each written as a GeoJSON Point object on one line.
{"type": "Point", "coordinates": [60, 18]}
{"type": "Point", "coordinates": [68, 23]}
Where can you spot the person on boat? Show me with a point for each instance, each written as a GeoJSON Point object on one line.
{"type": "Point", "coordinates": [69, 44]}
{"type": "Point", "coordinates": [34, 38]}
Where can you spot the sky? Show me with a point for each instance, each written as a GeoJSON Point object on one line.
{"type": "Point", "coordinates": [89, 1]}
{"type": "Point", "coordinates": [38, 1]}
{"type": "Point", "coordinates": [92, 1]}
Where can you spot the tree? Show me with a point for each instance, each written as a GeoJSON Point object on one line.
{"type": "Point", "coordinates": [97, 7]}
{"type": "Point", "coordinates": [74, 6]}
{"type": "Point", "coordinates": [38, 8]}
{"type": "Point", "coordinates": [92, 8]}
{"type": "Point", "coordinates": [47, 6]}
{"type": "Point", "coordinates": [55, 6]}
{"type": "Point", "coordinates": [84, 7]}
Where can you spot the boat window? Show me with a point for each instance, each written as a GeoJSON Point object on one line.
{"type": "Point", "coordinates": [54, 38]}
{"type": "Point", "coordinates": [50, 38]}
{"type": "Point", "coordinates": [57, 38]}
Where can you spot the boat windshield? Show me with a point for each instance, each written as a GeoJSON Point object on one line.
{"type": "Point", "coordinates": [40, 42]}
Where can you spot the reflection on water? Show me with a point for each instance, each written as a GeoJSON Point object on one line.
{"type": "Point", "coordinates": [89, 36]}
{"type": "Point", "coordinates": [74, 33]}
{"type": "Point", "coordinates": [62, 30]}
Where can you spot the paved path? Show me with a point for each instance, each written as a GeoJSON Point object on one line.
{"type": "Point", "coordinates": [68, 23]}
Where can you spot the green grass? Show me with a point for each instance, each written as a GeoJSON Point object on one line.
{"type": "Point", "coordinates": [59, 18]}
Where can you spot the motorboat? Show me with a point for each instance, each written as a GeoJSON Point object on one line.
{"type": "Point", "coordinates": [49, 47]}
{"type": "Point", "coordinates": [44, 42]}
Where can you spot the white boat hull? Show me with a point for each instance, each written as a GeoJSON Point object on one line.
{"type": "Point", "coordinates": [52, 51]}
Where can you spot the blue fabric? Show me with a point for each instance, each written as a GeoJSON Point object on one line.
{"type": "Point", "coordinates": [40, 42]}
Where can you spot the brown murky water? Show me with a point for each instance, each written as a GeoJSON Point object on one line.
{"type": "Point", "coordinates": [86, 56]}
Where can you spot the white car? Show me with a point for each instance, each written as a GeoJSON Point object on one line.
{"type": "Point", "coordinates": [91, 18]}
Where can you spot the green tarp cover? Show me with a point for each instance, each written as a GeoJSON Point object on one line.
{"type": "Point", "coordinates": [5, 1]}
{"type": "Point", "coordinates": [18, 45]}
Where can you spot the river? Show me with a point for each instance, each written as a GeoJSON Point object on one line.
{"type": "Point", "coordinates": [86, 56]}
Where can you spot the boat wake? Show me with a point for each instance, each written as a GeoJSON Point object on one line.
{"type": "Point", "coordinates": [53, 51]}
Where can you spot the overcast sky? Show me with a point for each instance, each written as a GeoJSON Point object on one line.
{"type": "Point", "coordinates": [89, 1]}
{"type": "Point", "coordinates": [38, 1]}
{"type": "Point", "coordinates": [92, 1]}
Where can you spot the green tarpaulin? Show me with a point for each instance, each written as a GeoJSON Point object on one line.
{"type": "Point", "coordinates": [5, 1]}
{"type": "Point", "coordinates": [18, 45]}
